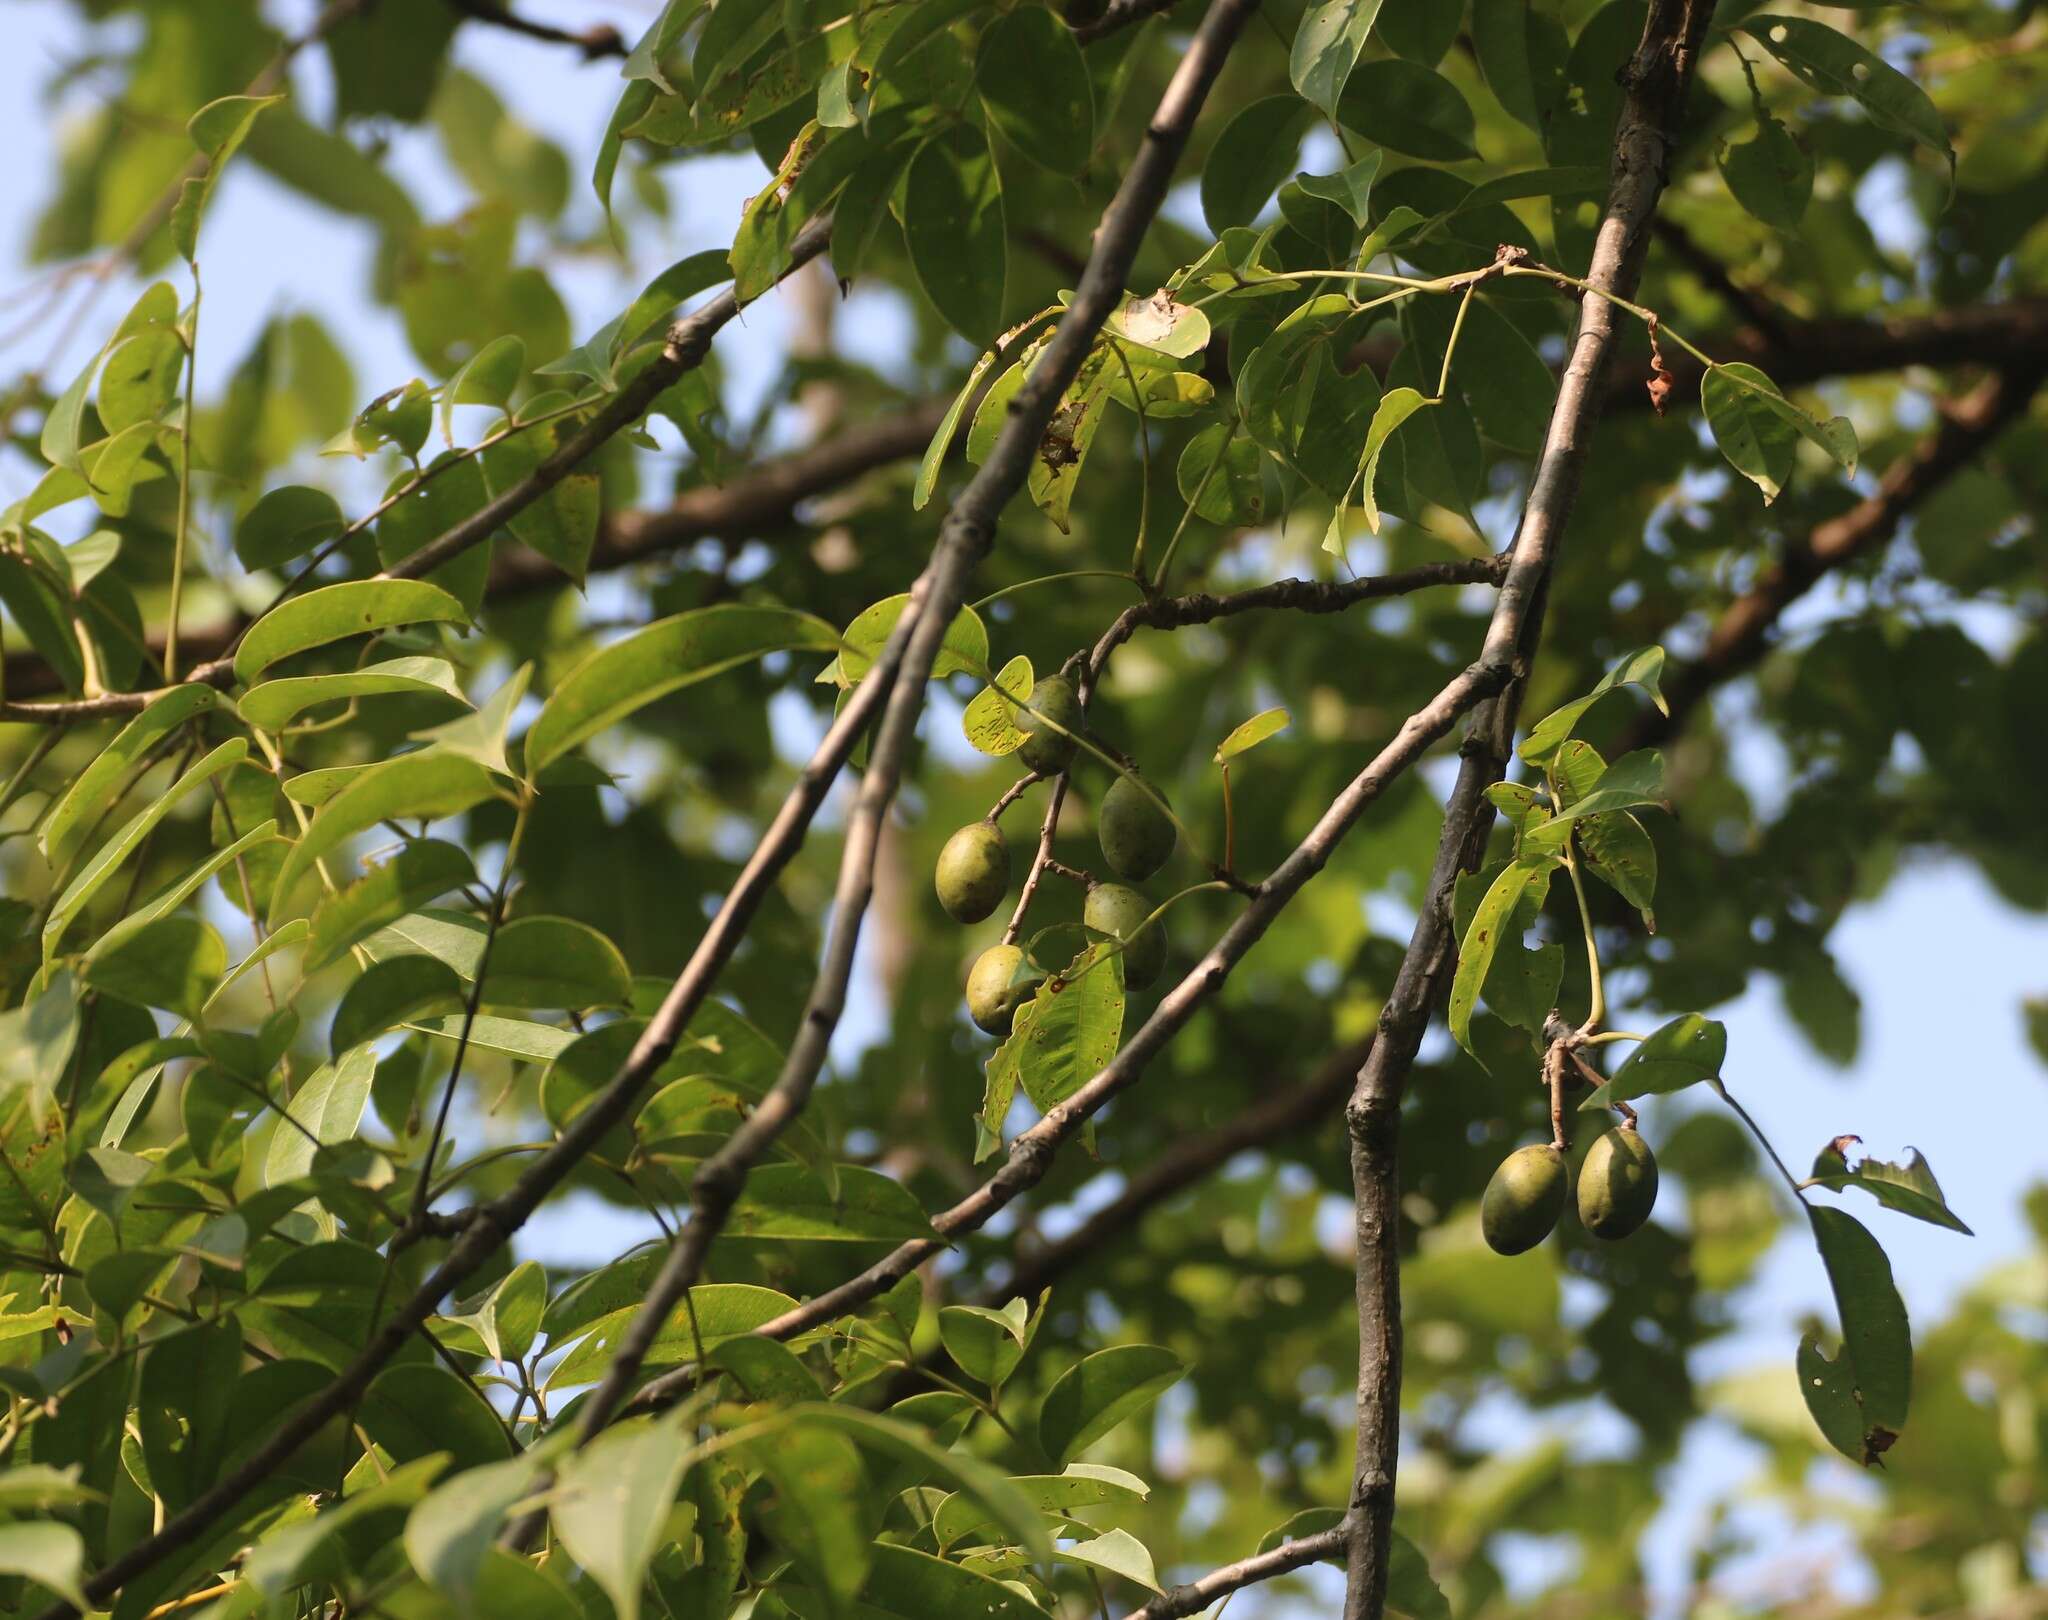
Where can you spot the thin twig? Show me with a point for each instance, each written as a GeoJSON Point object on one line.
{"type": "Point", "coordinates": [599, 40]}
{"type": "Point", "coordinates": [1193, 1598]}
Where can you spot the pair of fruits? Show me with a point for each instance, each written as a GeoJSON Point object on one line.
{"type": "Point", "coordinates": [1617, 1190]}
{"type": "Point", "coordinates": [1001, 979]}
{"type": "Point", "coordinates": [1137, 837]}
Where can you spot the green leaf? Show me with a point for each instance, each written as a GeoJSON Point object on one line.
{"type": "Point", "coordinates": [1036, 89]}
{"type": "Point", "coordinates": [535, 1043]}
{"type": "Point", "coordinates": [1395, 407]}
{"type": "Point", "coordinates": [1520, 985]}
{"type": "Point", "coordinates": [1251, 733]}
{"type": "Point", "coordinates": [765, 1370]}
{"type": "Point", "coordinates": [287, 522]}
{"type": "Point", "coordinates": [419, 871]}
{"type": "Point", "coordinates": [1876, 1363]}
{"type": "Point", "coordinates": [1349, 189]}
{"type": "Point", "coordinates": [942, 440]}
{"type": "Point", "coordinates": [1226, 469]}
{"type": "Point", "coordinates": [788, 1203]}
{"type": "Point", "coordinates": [1835, 65]}
{"type": "Point", "coordinates": [488, 377]}
{"type": "Point", "coordinates": [1407, 108]}
{"type": "Point", "coordinates": [1770, 174]}
{"type": "Point", "coordinates": [1758, 442]}
{"type": "Point", "coordinates": [449, 1533]}
{"type": "Point", "coordinates": [335, 612]}
{"type": "Point", "coordinates": [71, 816]}
{"type": "Point", "coordinates": [1083, 1485]}
{"type": "Point", "coordinates": [953, 227]}
{"type": "Point", "coordinates": [418, 1409]}
{"type": "Point", "coordinates": [398, 990]}
{"type": "Point", "coordinates": [1908, 1187]}
{"type": "Point", "coordinates": [1119, 1552]}
{"type": "Point", "coordinates": [422, 509]}
{"type": "Point", "coordinates": [819, 1509]}
{"type": "Point", "coordinates": [481, 736]}
{"type": "Point", "coordinates": [36, 1039]}
{"type": "Point", "coordinates": [115, 851]}
{"type": "Point", "coordinates": [985, 1344]}
{"type": "Point", "coordinates": [1099, 1392]}
{"type": "Point", "coordinates": [963, 650]}
{"type": "Point", "coordinates": [669, 654]}
{"type": "Point", "coordinates": [173, 962]}
{"type": "Point", "coordinates": [905, 1584]}
{"type": "Point", "coordinates": [1411, 1590]}
{"type": "Point", "coordinates": [272, 705]}
{"type": "Point", "coordinates": [1253, 154]}
{"type": "Point", "coordinates": [295, 1551]}
{"type": "Point", "coordinates": [1492, 922]}
{"type": "Point", "coordinates": [327, 1108]}
{"type": "Point", "coordinates": [1060, 1040]}
{"type": "Point", "coordinates": [217, 129]}
{"type": "Point", "coordinates": [48, 1553]}
{"type": "Point", "coordinates": [503, 1320]}
{"type": "Point", "coordinates": [611, 1502]}
{"type": "Point", "coordinates": [140, 378]}
{"type": "Point", "coordinates": [989, 720]}
{"type": "Point", "coordinates": [555, 962]}
{"type": "Point", "coordinates": [1521, 52]}
{"type": "Point", "coordinates": [1632, 782]}
{"type": "Point", "coordinates": [424, 787]}
{"type": "Point", "coordinates": [561, 524]}
{"type": "Point", "coordinates": [722, 1310]}
{"type": "Point", "coordinates": [1617, 850]}
{"type": "Point", "coordinates": [1327, 47]}
{"type": "Point", "coordinates": [1643, 667]}
{"type": "Point", "coordinates": [1683, 1052]}
{"type": "Point", "coordinates": [1000, 1498]}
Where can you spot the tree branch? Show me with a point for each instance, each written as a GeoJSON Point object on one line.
{"type": "Point", "coordinates": [1741, 635]}
{"type": "Point", "coordinates": [599, 40]}
{"type": "Point", "coordinates": [964, 539]}
{"type": "Point", "coordinates": [1299, 595]}
{"type": "Point", "coordinates": [1656, 81]}
{"type": "Point", "coordinates": [1116, 14]}
{"type": "Point", "coordinates": [1289, 1556]}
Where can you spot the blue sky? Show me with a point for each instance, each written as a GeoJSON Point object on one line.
{"type": "Point", "coordinates": [1941, 963]}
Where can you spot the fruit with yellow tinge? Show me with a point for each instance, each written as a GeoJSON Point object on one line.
{"type": "Point", "coordinates": [1524, 1199]}
{"type": "Point", "coordinates": [1045, 750]}
{"type": "Point", "coordinates": [973, 872]}
{"type": "Point", "coordinates": [1617, 1184]}
{"type": "Point", "coordinates": [997, 986]}
{"type": "Point", "coordinates": [1120, 911]}
{"type": "Point", "coordinates": [1137, 837]}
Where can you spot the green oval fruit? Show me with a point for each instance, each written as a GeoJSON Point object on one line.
{"type": "Point", "coordinates": [1119, 911]}
{"type": "Point", "coordinates": [1045, 750]}
{"type": "Point", "coordinates": [1617, 1184]}
{"type": "Point", "coordinates": [974, 871]}
{"type": "Point", "coordinates": [1524, 1198]}
{"type": "Point", "coordinates": [995, 989]}
{"type": "Point", "coordinates": [1136, 835]}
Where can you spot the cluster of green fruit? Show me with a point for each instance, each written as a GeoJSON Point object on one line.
{"type": "Point", "coordinates": [1617, 1190]}
{"type": "Point", "coordinates": [973, 873]}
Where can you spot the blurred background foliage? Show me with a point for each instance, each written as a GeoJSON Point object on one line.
{"type": "Point", "coordinates": [1895, 716]}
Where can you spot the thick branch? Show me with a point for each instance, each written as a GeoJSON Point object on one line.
{"type": "Point", "coordinates": [1656, 81]}
{"type": "Point", "coordinates": [964, 539]}
{"type": "Point", "coordinates": [1742, 634]}
{"type": "Point", "coordinates": [1289, 1556]}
